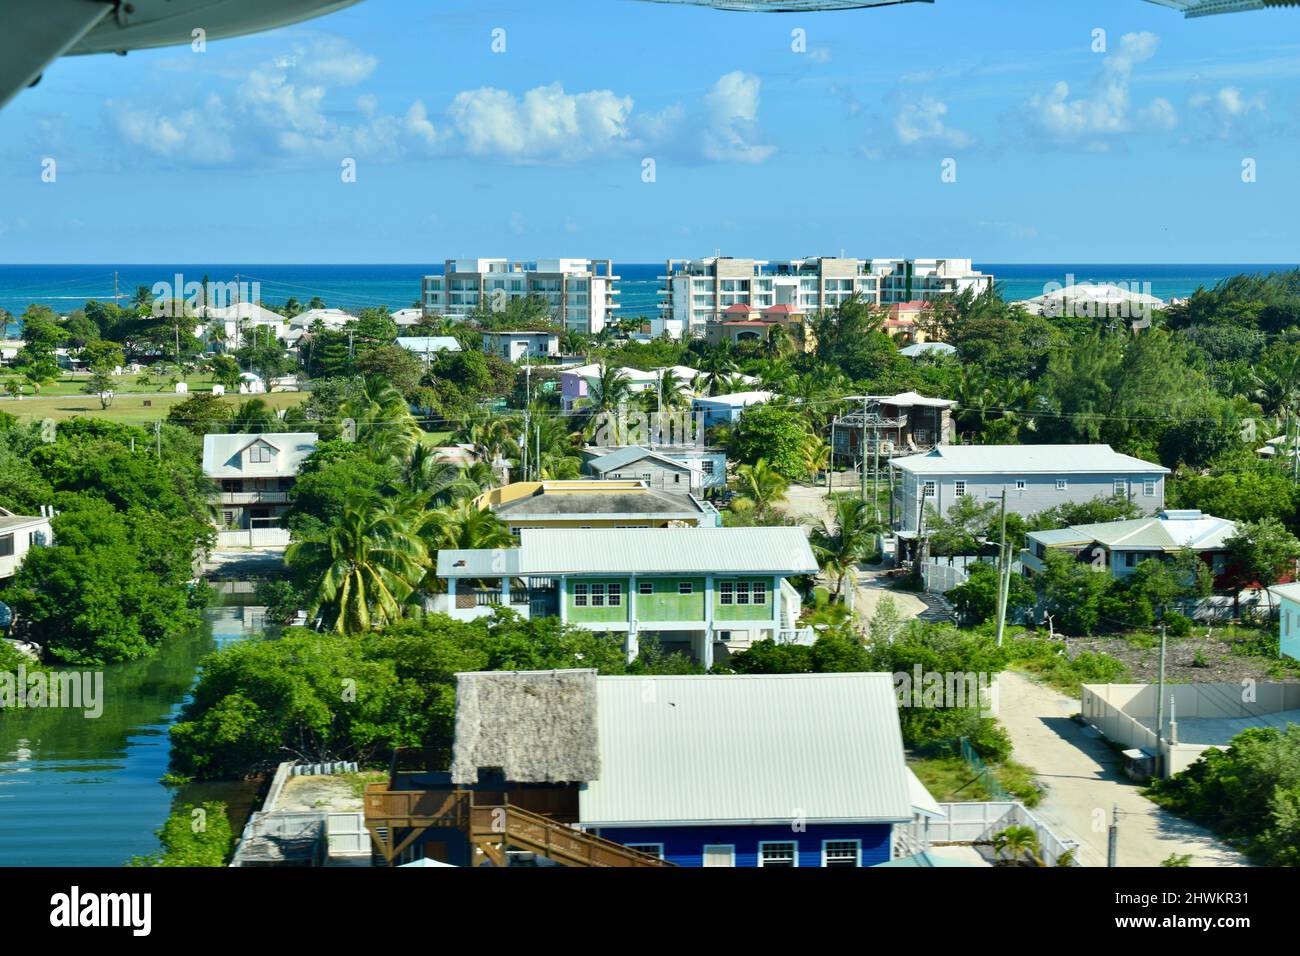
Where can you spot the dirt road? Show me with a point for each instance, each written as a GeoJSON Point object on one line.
{"type": "Point", "coordinates": [1084, 781]}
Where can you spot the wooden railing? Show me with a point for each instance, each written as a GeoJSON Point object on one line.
{"type": "Point", "coordinates": [493, 827]}
{"type": "Point", "coordinates": [507, 824]}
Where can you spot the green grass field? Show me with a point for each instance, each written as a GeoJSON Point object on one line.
{"type": "Point", "coordinates": [64, 399]}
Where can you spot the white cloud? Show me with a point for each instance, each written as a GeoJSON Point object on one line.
{"type": "Point", "coordinates": [294, 108]}
{"type": "Point", "coordinates": [1228, 113]}
{"type": "Point", "coordinates": [1107, 109]}
{"type": "Point", "coordinates": [731, 120]}
{"type": "Point", "coordinates": [546, 123]}
{"type": "Point", "coordinates": [922, 122]}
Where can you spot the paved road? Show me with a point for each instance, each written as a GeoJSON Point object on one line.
{"type": "Point", "coordinates": [1084, 781]}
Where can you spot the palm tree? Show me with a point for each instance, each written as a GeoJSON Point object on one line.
{"type": "Point", "coordinates": [432, 482]}
{"type": "Point", "coordinates": [840, 550]}
{"type": "Point", "coordinates": [492, 436]}
{"type": "Point", "coordinates": [610, 389]}
{"type": "Point", "coordinates": [760, 486]}
{"type": "Point", "coordinates": [370, 563]}
{"type": "Point", "coordinates": [1018, 841]}
{"type": "Point", "coordinates": [383, 419]}
{"type": "Point", "coordinates": [253, 415]}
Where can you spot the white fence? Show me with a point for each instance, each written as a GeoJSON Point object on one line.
{"type": "Point", "coordinates": [979, 821]}
{"type": "Point", "coordinates": [346, 834]}
{"type": "Point", "coordinates": [253, 538]}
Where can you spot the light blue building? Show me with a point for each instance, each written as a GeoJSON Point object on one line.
{"type": "Point", "coordinates": [1034, 478]}
{"type": "Point", "coordinates": [726, 409]}
{"type": "Point", "coordinates": [1288, 596]}
{"type": "Point", "coordinates": [662, 466]}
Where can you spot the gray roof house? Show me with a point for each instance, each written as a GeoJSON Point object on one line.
{"type": "Point", "coordinates": [1034, 477]}
{"type": "Point", "coordinates": [255, 474]}
{"type": "Point", "coordinates": [706, 464]}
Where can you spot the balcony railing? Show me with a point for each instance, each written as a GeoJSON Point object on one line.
{"type": "Point", "coordinates": [254, 497]}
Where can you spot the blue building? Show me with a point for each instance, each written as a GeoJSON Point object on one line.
{"type": "Point", "coordinates": [773, 770]}
{"type": "Point", "coordinates": [726, 409]}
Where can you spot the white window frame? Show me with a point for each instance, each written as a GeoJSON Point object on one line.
{"type": "Point", "coordinates": [758, 593]}
{"type": "Point", "coordinates": [1020, 484]}
{"type": "Point", "coordinates": [794, 850]}
{"type": "Point", "coordinates": [928, 490]}
{"type": "Point", "coordinates": [727, 592]}
{"type": "Point", "coordinates": [1121, 487]}
{"type": "Point", "coordinates": [1062, 484]}
{"type": "Point", "coordinates": [580, 592]}
{"type": "Point", "coordinates": [685, 587]}
{"type": "Point", "coordinates": [1149, 488]}
{"type": "Point", "coordinates": [597, 594]}
{"type": "Point", "coordinates": [645, 848]}
{"type": "Point", "coordinates": [742, 592]}
{"type": "Point", "coordinates": [614, 595]}
{"type": "Point", "coordinates": [857, 847]}
{"type": "Point", "coordinates": [959, 489]}
{"type": "Point", "coordinates": [729, 847]}
{"type": "Point", "coordinates": [259, 453]}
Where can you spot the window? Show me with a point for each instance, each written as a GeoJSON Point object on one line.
{"type": "Point", "coordinates": [1149, 488]}
{"type": "Point", "coordinates": [760, 592]}
{"type": "Point", "coordinates": [645, 587]}
{"type": "Point", "coordinates": [259, 453]}
{"type": "Point", "coordinates": [728, 592]}
{"type": "Point", "coordinates": [580, 595]}
{"type": "Point", "coordinates": [649, 849]}
{"type": "Point", "coordinates": [777, 854]}
{"type": "Point", "coordinates": [707, 467]}
{"type": "Point", "coordinates": [1121, 487]}
{"type": "Point", "coordinates": [615, 595]}
{"type": "Point", "coordinates": [597, 595]}
{"type": "Point", "coordinates": [1020, 486]}
{"type": "Point", "coordinates": [685, 587]}
{"type": "Point", "coordinates": [6, 545]}
{"type": "Point", "coordinates": [928, 490]}
{"type": "Point", "coordinates": [841, 853]}
{"type": "Point", "coordinates": [1062, 484]}
{"type": "Point", "coordinates": [1130, 559]}
{"type": "Point", "coordinates": [742, 592]}
{"type": "Point", "coordinates": [959, 488]}
{"type": "Point", "coordinates": [719, 854]}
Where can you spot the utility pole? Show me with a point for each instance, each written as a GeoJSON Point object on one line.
{"type": "Point", "coordinates": [1160, 703]}
{"type": "Point", "coordinates": [157, 431]}
{"type": "Point", "coordinates": [1003, 564]}
{"type": "Point", "coordinates": [863, 449]}
{"type": "Point", "coordinates": [1112, 842]}
{"type": "Point", "coordinates": [115, 292]}
{"type": "Point", "coordinates": [830, 472]}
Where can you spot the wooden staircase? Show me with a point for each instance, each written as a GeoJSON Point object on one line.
{"type": "Point", "coordinates": [491, 828]}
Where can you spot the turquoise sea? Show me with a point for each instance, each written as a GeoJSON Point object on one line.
{"type": "Point", "coordinates": [352, 287]}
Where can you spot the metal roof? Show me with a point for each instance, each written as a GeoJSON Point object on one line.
{"type": "Point", "coordinates": [736, 399]}
{"type": "Point", "coordinates": [769, 748]}
{"type": "Point", "coordinates": [630, 454]}
{"type": "Point", "coordinates": [223, 454]}
{"type": "Point", "coordinates": [1167, 531]}
{"type": "Point", "coordinates": [428, 343]}
{"type": "Point", "coordinates": [552, 551]}
{"type": "Point", "coordinates": [571, 505]}
{"type": "Point", "coordinates": [1025, 459]}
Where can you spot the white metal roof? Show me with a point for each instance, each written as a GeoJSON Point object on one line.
{"type": "Point", "coordinates": [771, 748]}
{"type": "Point", "coordinates": [429, 343]}
{"type": "Point", "coordinates": [1025, 459]}
{"type": "Point", "coordinates": [552, 551]}
{"type": "Point", "coordinates": [736, 399]}
{"type": "Point", "coordinates": [223, 455]}
{"type": "Point", "coordinates": [1170, 530]}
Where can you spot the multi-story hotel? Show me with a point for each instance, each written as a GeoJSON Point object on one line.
{"type": "Point", "coordinates": [581, 293]}
{"type": "Point", "coordinates": [696, 292]}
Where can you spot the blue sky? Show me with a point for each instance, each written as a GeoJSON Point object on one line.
{"type": "Point", "coordinates": [1062, 153]}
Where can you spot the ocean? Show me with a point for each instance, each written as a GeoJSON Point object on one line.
{"type": "Point", "coordinates": [353, 287]}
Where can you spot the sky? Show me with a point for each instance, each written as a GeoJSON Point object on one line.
{"type": "Point", "coordinates": [1103, 131]}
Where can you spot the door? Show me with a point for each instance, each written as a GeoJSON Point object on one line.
{"type": "Point", "coordinates": [720, 854]}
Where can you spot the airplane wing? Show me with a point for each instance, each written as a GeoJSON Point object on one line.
{"type": "Point", "coordinates": [1205, 8]}
{"type": "Point", "coordinates": [35, 34]}
{"type": "Point", "coordinates": [790, 6]}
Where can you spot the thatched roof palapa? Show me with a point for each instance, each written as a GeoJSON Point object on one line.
{"type": "Point", "coordinates": [536, 726]}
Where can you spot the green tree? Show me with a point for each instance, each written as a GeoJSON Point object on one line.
{"type": "Point", "coordinates": [850, 542]}
{"type": "Point", "coordinates": [776, 433]}
{"type": "Point", "coordinates": [192, 836]}
{"type": "Point", "coordinates": [759, 487]}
